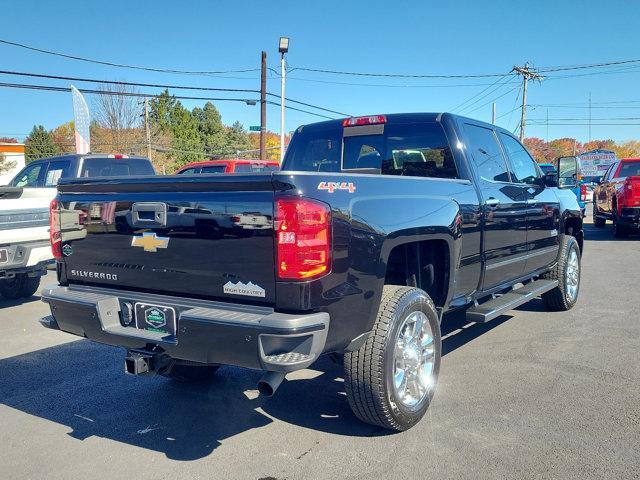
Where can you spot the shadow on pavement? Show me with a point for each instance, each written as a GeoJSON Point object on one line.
{"type": "Point", "coordinates": [81, 385]}
{"type": "Point", "coordinates": [19, 301]}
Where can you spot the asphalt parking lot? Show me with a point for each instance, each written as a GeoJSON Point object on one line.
{"type": "Point", "coordinates": [535, 394]}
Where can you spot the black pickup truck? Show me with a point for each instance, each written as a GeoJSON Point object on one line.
{"type": "Point", "coordinates": [373, 229]}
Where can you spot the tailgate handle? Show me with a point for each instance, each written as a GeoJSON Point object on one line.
{"type": "Point", "coordinates": [149, 214]}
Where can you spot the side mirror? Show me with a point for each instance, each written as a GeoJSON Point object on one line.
{"type": "Point", "coordinates": [567, 172]}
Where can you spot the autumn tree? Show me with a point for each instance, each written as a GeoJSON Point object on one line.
{"type": "Point", "coordinates": [64, 136]}
{"type": "Point", "coordinates": [39, 144]}
{"type": "Point", "coordinates": [119, 113]}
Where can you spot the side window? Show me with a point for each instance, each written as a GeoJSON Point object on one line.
{"type": "Point", "coordinates": [188, 171]}
{"type": "Point", "coordinates": [486, 155]}
{"type": "Point", "coordinates": [28, 177]}
{"type": "Point", "coordinates": [419, 150]}
{"type": "Point", "coordinates": [55, 172]}
{"type": "Point", "coordinates": [523, 167]}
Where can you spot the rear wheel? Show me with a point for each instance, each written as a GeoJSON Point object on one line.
{"type": "Point", "coordinates": [20, 286]}
{"type": "Point", "coordinates": [391, 379]}
{"type": "Point", "coordinates": [190, 373]}
{"type": "Point", "coordinates": [567, 272]}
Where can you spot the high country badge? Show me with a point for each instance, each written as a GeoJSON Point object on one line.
{"type": "Point", "coordinates": [249, 289]}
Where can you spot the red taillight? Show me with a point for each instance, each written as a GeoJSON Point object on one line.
{"type": "Point", "coordinates": [583, 192]}
{"type": "Point", "coordinates": [235, 219]}
{"type": "Point", "coordinates": [370, 120]}
{"type": "Point", "coordinates": [302, 229]}
{"type": "Point", "coordinates": [54, 229]}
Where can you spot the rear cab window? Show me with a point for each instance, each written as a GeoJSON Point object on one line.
{"type": "Point", "coordinates": [113, 167]}
{"type": "Point", "coordinates": [254, 168]}
{"type": "Point", "coordinates": [629, 169]}
{"type": "Point", "coordinates": [417, 149]}
{"type": "Point", "coordinates": [214, 168]}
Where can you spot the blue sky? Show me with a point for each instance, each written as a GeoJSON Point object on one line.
{"type": "Point", "coordinates": [417, 37]}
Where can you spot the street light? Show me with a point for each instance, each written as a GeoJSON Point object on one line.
{"type": "Point", "coordinates": [283, 47]}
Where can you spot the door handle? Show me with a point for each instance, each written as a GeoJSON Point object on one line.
{"type": "Point", "coordinates": [531, 201]}
{"type": "Point", "coordinates": [492, 202]}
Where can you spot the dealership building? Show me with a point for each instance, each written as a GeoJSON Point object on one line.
{"type": "Point", "coordinates": [12, 152]}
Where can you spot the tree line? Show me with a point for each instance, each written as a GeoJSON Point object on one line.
{"type": "Point", "coordinates": [547, 152]}
{"type": "Point", "coordinates": [177, 135]}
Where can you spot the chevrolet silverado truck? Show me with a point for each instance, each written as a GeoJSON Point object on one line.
{"type": "Point", "coordinates": [378, 226]}
{"type": "Point", "coordinates": [617, 197]}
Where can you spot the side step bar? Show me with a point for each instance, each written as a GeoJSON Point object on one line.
{"type": "Point", "coordinates": [508, 301]}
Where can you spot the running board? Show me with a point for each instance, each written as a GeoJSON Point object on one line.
{"type": "Point", "coordinates": [508, 301]}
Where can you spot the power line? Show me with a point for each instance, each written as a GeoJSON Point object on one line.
{"type": "Point", "coordinates": [159, 85]}
{"type": "Point", "coordinates": [395, 75]}
{"type": "Point", "coordinates": [249, 101]}
{"type": "Point", "coordinates": [388, 85]}
{"type": "Point", "coordinates": [481, 94]}
{"type": "Point", "coordinates": [121, 65]}
{"type": "Point", "coordinates": [563, 68]}
{"type": "Point", "coordinates": [487, 103]}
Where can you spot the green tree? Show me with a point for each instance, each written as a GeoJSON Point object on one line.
{"type": "Point", "coordinates": [238, 138]}
{"type": "Point", "coordinates": [212, 132]}
{"type": "Point", "coordinates": [39, 144]}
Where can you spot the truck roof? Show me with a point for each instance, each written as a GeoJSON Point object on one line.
{"type": "Point", "coordinates": [391, 118]}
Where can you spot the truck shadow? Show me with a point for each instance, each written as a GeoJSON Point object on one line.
{"type": "Point", "coordinates": [4, 303]}
{"type": "Point", "coordinates": [81, 385]}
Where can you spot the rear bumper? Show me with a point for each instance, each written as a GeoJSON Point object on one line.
{"type": "Point", "coordinates": [31, 257]}
{"type": "Point", "coordinates": [629, 217]}
{"type": "Point", "coordinates": [207, 332]}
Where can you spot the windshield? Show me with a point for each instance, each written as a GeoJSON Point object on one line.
{"type": "Point", "coordinates": [629, 169]}
{"type": "Point", "coordinates": [412, 149]}
{"type": "Point", "coordinates": [114, 167]}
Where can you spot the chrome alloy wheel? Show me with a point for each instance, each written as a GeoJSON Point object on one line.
{"type": "Point", "coordinates": [413, 360]}
{"type": "Point", "coordinates": [572, 276]}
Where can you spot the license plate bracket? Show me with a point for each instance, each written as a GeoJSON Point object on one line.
{"type": "Point", "coordinates": [155, 318]}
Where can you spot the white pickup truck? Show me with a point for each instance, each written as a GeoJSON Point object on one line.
{"type": "Point", "coordinates": [24, 213]}
{"type": "Point", "coordinates": [24, 239]}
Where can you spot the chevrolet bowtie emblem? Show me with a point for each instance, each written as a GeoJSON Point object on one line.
{"type": "Point", "coordinates": [150, 242]}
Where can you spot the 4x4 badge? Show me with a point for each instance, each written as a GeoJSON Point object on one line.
{"type": "Point", "coordinates": [150, 242]}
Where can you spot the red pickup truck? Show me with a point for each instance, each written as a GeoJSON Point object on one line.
{"type": "Point", "coordinates": [617, 197]}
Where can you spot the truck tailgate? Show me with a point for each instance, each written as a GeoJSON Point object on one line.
{"type": "Point", "coordinates": [204, 237]}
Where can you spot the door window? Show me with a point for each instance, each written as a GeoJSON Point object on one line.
{"type": "Point", "coordinates": [28, 177]}
{"type": "Point", "coordinates": [523, 167]}
{"type": "Point", "coordinates": [55, 172]}
{"type": "Point", "coordinates": [188, 171]}
{"type": "Point", "coordinates": [486, 155]}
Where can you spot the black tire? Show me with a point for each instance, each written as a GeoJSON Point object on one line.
{"type": "Point", "coordinates": [190, 373]}
{"type": "Point", "coordinates": [558, 299]}
{"type": "Point", "coordinates": [369, 370]}
{"type": "Point", "coordinates": [598, 222]}
{"type": "Point", "coordinates": [20, 286]}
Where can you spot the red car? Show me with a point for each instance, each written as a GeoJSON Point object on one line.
{"type": "Point", "coordinates": [617, 197]}
{"type": "Point", "coordinates": [229, 165]}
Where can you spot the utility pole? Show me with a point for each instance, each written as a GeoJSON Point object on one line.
{"type": "Point", "coordinates": [263, 107]}
{"type": "Point", "coordinates": [146, 126]}
{"type": "Point", "coordinates": [589, 116]}
{"type": "Point", "coordinates": [493, 113]}
{"type": "Point", "coordinates": [547, 125]}
{"type": "Point", "coordinates": [526, 73]}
